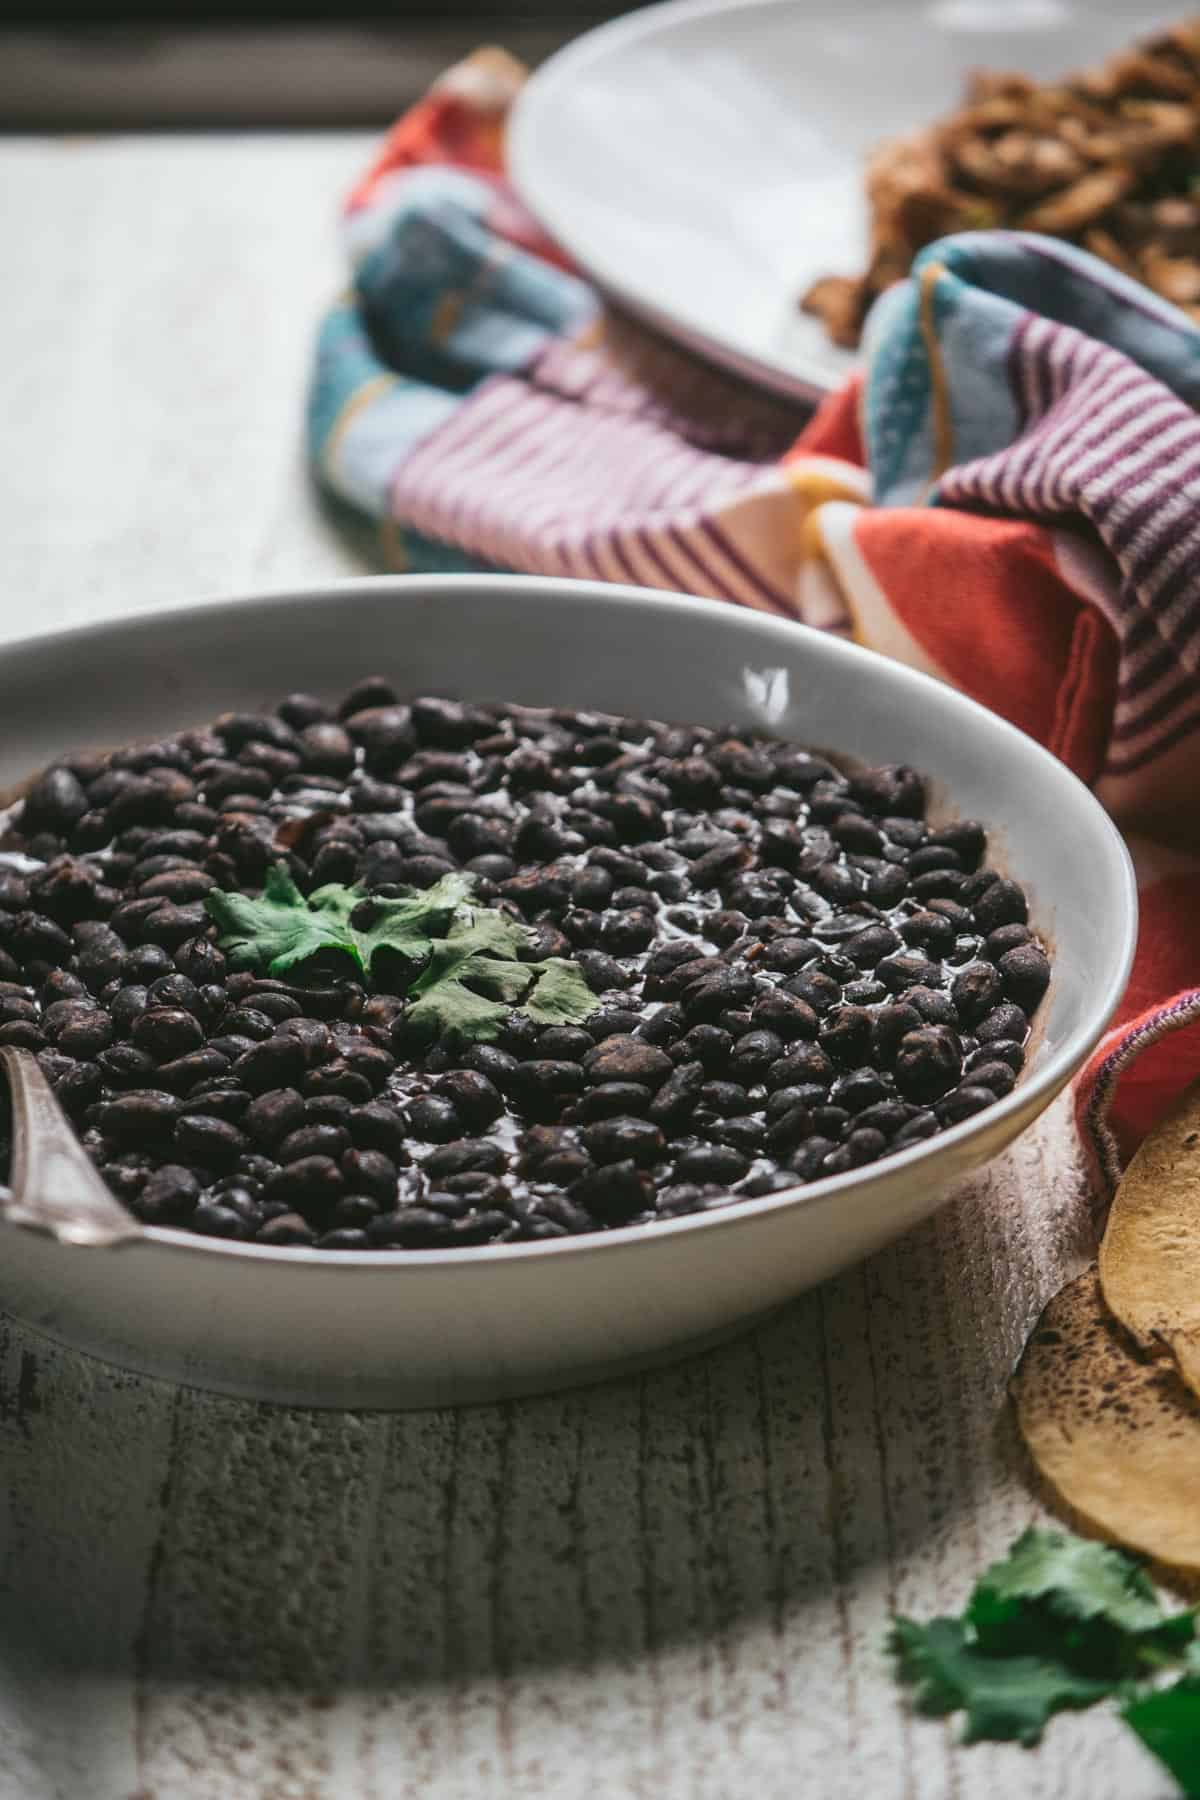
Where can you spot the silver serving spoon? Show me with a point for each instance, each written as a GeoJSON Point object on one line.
{"type": "Point", "coordinates": [54, 1186]}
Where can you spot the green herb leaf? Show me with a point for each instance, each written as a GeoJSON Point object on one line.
{"type": "Point", "coordinates": [471, 979]}
{"type": "Point", "coordinates": [470, 973]}
{"type": "Point", "coordinates": [282, 928]}
{"type": "Point", "coordinates": [561, 996]}
{"type": "Point", "coordinates": [405, 924]}
{"type": "Point", "coordinates": [1089, 1604]}
{"type": "Point", "coordinates": [1168, 1723]}
{"type": "Point", "coordinates": [1004, 1697]}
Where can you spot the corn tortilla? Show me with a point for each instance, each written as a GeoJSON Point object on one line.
{"type": "Point", "coordinates": [1115, 1434]}
{"type": "Point", "coordinates": [1150, 1256]}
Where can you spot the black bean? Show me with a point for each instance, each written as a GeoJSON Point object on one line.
{"type": "Point", "coordinates": [705, 1000]}
{"type": "Point", "coordinates": [215, 1220]}
{"type": "Point", "coordinates": [328, 1109]}
{"type": "Point", "coordinates": [201, 961]}
{"type": "Point", "coordinates": [22, 1034]}
{"type": "Point", "coordinates": [664, 1026]}
{"type": "Point", "coordinates": [753, 1055]}
{"type": "Point", "coordinates": [616, 1139]}
{"type": "Point", "coordinates": [344, 1238]}
{"type": "Point", "coordinates": [312, 1182]}
{"type": "Point", "coordinates": [165, 1032]}
{"type": "Point", "coordinates": [803, 1063]}
{"type": "Point", "coordinates": [354, 1211]}
{"type": "Point", "coordinates": [719, 1163]}
{"type": "Point", "coordinates": [1003, 1050]}
{"type": "Point", "coordinates": [893, 788]}
{"type": "Point", "coordinates": [337, 1077]}
{"type": "Point", "coordinates": [204, 1138]}
{"type": "Point", "coordinates": [815, 989]}
{"type": "Point", "coordinates": [888, 1116]}
{"type": "Point", "coordinates": [613, 1194]}
{"type": "Point", "coordinates": [963, 1102]}
{"type": "Point", "coordinates": [1006, 1021]}
{"type": "Point", "coordinates": [1006, 937]}
{"type": "Point", "coordinates": [274, 1063]}
{"type": "Point", "coordinates": [372, 1173]}
{"type": "Point", "coordinates": [474, 1154]}
{"type": "Point", "coordinates": [54, 802]}
{"type": "Point", "coordinates": [975, 991]}
{"type": "Point", "coordinates": [938, 884]}
{"type": "Point", "coordinates": [929, 931]}
{"type": "Point", "coordinates": [934, 1007]}
{"type": "Point", "coordinates": [1002, 903]}
{"type": "Point", "coordinates": [219, 1102]}
{"type": "Point", "coordinates": [372, 692]}
{"type": "Point", "coordinates": [247, 1022]}
{"type": "Point", "coordinates": [1025, 972]}
{"type": "Point", "coordinates": [921, 1126]}
{"type": "Point", "coordinates": [79, 1087]}
{"type": "Point", "coordinates": [846, 1035]}
{"type": "Point", "coordinates": [928, 1062]}
{"type": "Point", "coordinates": [859, 1089]}
{"type": "Point", "coordinates": [993, 1074]}
{"type": "Point", "coordinates": [124, 1064]}
{"type": "Point", "coordinates": [85, 1034]}
{"type": "Point", "coordinates": [807, 1162]}
{"type": "Point", "coordinates": [175, 990]}
{"type": "Point", "coordinates": [60, 984]}
{"type": "Point", "coordinates": [787, 1129]}
{"type": "Point", "coordinates": [933, 856]}
{"type": "Point", "coordinates": [859, 1148]}
{"type": "Point", "coordinates": [907, 969]}
{"type": "Point", "coordinates": [312, 1140]}
{"type": "Point", "coordinates": [433, 1120]}
{"type": "Point", "coordinates": [169, 1195]}
{"type": "Point", "coordinates": [677, 1097]}
{"type": "Point", "coordinates": [709, 1045]}
{"type": "Point", "coordinates": [142, 1113]}
{"type": "Point", "coordinates": [625, 1058]}
{"type": "Point", "coordinates": [613, 1097]}
{"type": "Point", "coordinates": [182, 1073]}
{"type": "Point", "coordinates": [286, 1229]}
{"type": "Point", "coordinates": [380, 1126]}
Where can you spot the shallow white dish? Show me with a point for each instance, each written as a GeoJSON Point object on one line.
{"type": "Point", "coordinates": [702, 160]}
{"type": "Point", "coordinates": [404, 1329]}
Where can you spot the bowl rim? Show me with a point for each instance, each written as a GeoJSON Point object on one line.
{"type": "Point", "coordinates": [1042, 1085]}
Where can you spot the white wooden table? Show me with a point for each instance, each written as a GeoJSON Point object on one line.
{"type": "Point", "coordinates": [671, 1586]}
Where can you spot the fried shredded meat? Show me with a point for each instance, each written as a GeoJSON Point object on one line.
{"type": "Point", "coordinates": [1109, 159]}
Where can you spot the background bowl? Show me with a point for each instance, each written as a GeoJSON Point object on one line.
{"type": "Point", "coordinates": [404, 1329]}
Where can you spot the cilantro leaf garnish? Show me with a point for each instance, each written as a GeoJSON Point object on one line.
{"type": "Point", "coordinates": [282, 928]}
{"type": "Point", "coordinates": [404, 924]}
{"type": "Point", "coordinates": [561, 995]}
{"type": "Point", "coordinates": [466, 958]}
{"type": "Point", "coordinates": [1004, 1697]}
{"type": "Point", "coordinates": [1168, 1723]}
{"type": "Point", "coordinates": [1061, 1621]}
{"type": "Point", "coordinates": [468, 984]}
{"type": "Point", "coordinates": [1095, 1603]}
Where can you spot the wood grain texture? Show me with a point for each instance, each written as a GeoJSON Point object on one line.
{"type": "Point", "coordinates": [675, 1585]}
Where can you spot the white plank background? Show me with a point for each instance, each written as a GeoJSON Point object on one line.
{"type": "Point", "coordinates": [673, 1586]}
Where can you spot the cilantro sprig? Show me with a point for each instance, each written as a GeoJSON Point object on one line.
{"type": "Point", "coordinates": [1060, 1622]}
{"type": "Point", "coordinates": [468, 975]}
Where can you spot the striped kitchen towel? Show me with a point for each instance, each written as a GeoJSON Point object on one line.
{"type": "Point", "coordinates": [1006, 499]}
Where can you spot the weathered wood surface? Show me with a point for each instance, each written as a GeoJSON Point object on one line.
{"type": "Point", "coordinates": [669, 1586]}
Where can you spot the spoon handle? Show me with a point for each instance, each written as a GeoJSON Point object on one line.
{"type": "Point", "coordinates": [54, 1185]}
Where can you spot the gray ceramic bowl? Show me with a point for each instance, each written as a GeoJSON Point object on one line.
{"type": "Point", "coordinates": [414, 1329]}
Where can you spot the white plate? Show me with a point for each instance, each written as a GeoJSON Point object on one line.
{"type": "Point", "coordinates": [423, 1328]}
{"type": "Point", "coordinates": [702, 160]}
